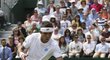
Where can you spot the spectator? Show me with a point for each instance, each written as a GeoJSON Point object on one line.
{"type": "Point", "coordinates": [73, 28]}
{"type": "Point", "coordinates": [34, 17]}
{"type": "Point", "coordinates": [101, 49]}
{"type": "Point", "coordinates": [21, 40]}
{"type": "Point", "coordinates": [16, 33]}
{"type": "Point", "coordinates": [28, 23]}
{"type": "Point", "coordinates": [22, 29]}
{"type": "Point", "coordinates": [81, 35]}
{"type": "Point", "coordinates": [88, 47]}
{"type": "Point", "coordinates": [63, 46]}
{"type": "Point", "coordinates": [84, 6]}
{"type": "Point", "coordinates": [69, 14]}
{"type": "Point", "coordinates": [64, 24]}
{"type": "Point", "coordinates": [104, 14]}
{"type": "Point", "coordinates": [77, 20]}
{"type": "Point", "coordinates": [57, 13]}
{"type": "Point", "coordinates": [67, 36]}
{"type": "Point", "coordinates": [73, 8]}
{"type": "Point", "coordinates": [5, 52]}
{"type": "Point", "coordinates": [96, 6]}
{"type": "Point", "coordinates": [51, 8]}
{"type": "Point", "coordinates": [106, 32]}
{"type": "Point", "coordinates": [40, 8]}
{"type": "Point", "coordinates": [62, 7]}
{"type": "Point", "coordinates": [75, 47]}
{"type": "Point", "coordinates": [56, 35]}
{"type": "Point", "coordinates": [12, 46]}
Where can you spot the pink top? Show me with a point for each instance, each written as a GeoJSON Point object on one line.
{"type": "Point", "coordinates": [97, 7]}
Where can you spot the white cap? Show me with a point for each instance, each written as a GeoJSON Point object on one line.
{"type": "Point", "coordinates": [80, 7]}
{"type": "Point", "coordinates": [40, 2]}
{"type": "Point", "coordinates": [72, 1]}
{"type": "Point", "coordinates": [52, 16]}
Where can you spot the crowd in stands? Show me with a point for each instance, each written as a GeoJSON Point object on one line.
{"type": "Point", "coordinates": [81, 27]}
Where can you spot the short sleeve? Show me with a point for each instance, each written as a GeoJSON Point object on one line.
{"type": "Point", "coordinates": [57, 52]}
{"type": "Point", "coordinates": [27, 41]}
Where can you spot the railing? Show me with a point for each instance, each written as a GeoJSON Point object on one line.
{"type": "Point", "coordinates": [82, 58]}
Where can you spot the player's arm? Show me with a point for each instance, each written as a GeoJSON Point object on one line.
{"type": "Point", "coordinates": [25, 46]}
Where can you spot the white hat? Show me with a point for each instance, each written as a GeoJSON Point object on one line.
{"type": "Point", "coordinates": [80, 7]}
{"type": "Point", "coordinates": [40, 2]}
{"type": "Point", "coordinates": [52, 16]}
{"type": "Point", "coordinates": [72, 1]}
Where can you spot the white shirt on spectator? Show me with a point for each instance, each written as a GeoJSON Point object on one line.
{"type": "Point", "coordinates": [88, 47]}
{"type": "Point", "coordinates": [46, 18]}
{"type": "Point", "coordinates": [75, 47]}
{"type": "Point", "coordinates": [102, 48]}
{"type": "Point", "coordinates": [64, 25]}
{"type": "Point", "coordinates": [39, 50]}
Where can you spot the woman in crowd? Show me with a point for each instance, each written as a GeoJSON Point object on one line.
{"type": "Point", "coordinates": [12, 46]}
{"type": "Point", "coordinates": [69, 14]}
{"type": "Point", "coordinates": [15, 35]}
{"type": "Point", "coordinates": [67, 36]}
{"type": "Point", "coordinates": [81, 35]}
{"type": "Point", "coordinates": [63, 46]}
{"type": "Point", "coordinates": [21, 40]}
{"type": "Point", "coordinates": [28, 23]}
{"type": "Point", "coordinates": [77, 20]}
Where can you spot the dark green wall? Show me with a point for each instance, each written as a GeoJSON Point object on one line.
{"type": "Point", "coordinates": [22, 8]}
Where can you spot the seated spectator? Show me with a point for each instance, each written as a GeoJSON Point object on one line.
{"type": "Point", "coordinates": [73, 28]}
{"type": "Point", "coordinates": [81, 35]}
{"type": "Point", "coordinates": [12, 46]}
{"type": "Point", "coordinates": [106, 32]}
{"type": "Point", "coordinates": [77, 20]}
{"type": "Point", "coordinates": [21, 40]}
{"type": "Point", "coordinates": [63, 6]}
{"type": "Point", "coordinates": [67, 36]}
{"type": "Point", "coordinates": [28, 23]}
{"type": "Point", "coordinates": [56, 35]}
{"type": "Point", "coordinates": [69, 14]}
{"type": "Point", "coordinates": [34, 17]}
{"type": "Point", "coordinates": [104, 14]}
{"type": "Point", "coordinates": [75, 47]}
{"type": "Point", "coordinates": [40, 8]}
{"type": "Point", "coordinates": [74, 9]}
{"type": "Point", "coordinates": [88, 47]}
{"type": "Point", "coordinates": [96, 6]}
{"type": "Point", "coordinates": [63, 46]}
{"type": "Point", "coordinates": [51, 7]}
{"type": "Point", "coordinates": [64, 24]}
{"type": "Point", "coordinates": [16, 33]}
{"type": "Point", "coordinates": [22, 29]}
{"type": "Point", "coordinates": [5, 52]}
{"type": "Point", "coordinates": [101, 49]}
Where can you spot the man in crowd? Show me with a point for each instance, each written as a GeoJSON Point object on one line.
{"type": "Point", "coordinates": [5, 52]}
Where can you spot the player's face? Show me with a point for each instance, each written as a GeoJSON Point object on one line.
{"type": "Point", "coordinates": [46, 36]}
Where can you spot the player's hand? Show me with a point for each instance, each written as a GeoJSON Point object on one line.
{"type": "Point", "coordinates": [23, 56]}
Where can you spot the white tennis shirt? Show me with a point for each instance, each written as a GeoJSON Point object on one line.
{"type": "Point", "coordinates": [39, 50]}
